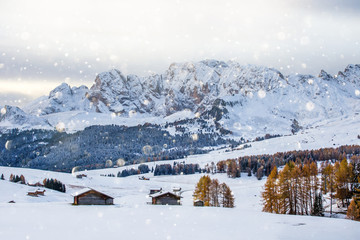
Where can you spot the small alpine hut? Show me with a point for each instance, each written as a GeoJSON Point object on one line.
{"type": "Point", "coordinates": [165, 198]}
{"type": "Point", "coordinates": [90, 196]}
{"type": "Point", "coordinates": [198, 203]}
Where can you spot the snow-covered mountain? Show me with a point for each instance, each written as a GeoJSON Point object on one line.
{"type": "Point", "coordinates": [14, 117]}
{"type": "Point", "coordinates": [248, 100]}
{"type": "Point", "coordinates": [62, 99]}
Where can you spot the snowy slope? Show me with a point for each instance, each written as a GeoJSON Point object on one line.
{"type": "Point", "coordinates": [132, 218]}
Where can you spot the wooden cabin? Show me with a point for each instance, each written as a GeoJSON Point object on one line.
{"type": "Point", "coordinates": [198, 203]}
{"type": "Point", "coordinates": [36, 193]}
{"type": "Point", "coordinates": [33, 194]}
{"type": "Point", "coordinates": [165, 198]}
{"type": "Point", "coordinates": [39, 192]}
{"type": "Point", "coordinates": [92, 197]}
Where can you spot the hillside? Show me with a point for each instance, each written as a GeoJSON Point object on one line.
{"type": "Point", "coordinates": [131, 216]}
{"type": "Point", "coordinates": [192, 108]}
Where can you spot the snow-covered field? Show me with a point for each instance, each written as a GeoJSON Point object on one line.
{"type": "Point", "coordinates": [53, 217]}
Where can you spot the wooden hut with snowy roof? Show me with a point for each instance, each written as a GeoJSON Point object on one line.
{"type": "Point", "coordinates": [90, 196]}
{"type": "Point", "coordinates": [165, 198]}
{"type": "Point", "coordinates": [198, 203]}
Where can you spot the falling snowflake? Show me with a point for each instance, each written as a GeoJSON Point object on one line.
{"type": "Point", "coordinates": [261, 93]}
{"type": "Point", "coordinates": [120, 162]}
{"type": "Point", "coordinates": [60, 127]}
{"type": "Point", "coordinates": [108, 163]}
{"type": "Point", "coordinates": [310, 106]}
{"type": "Point", "coordinates": [8, 144]}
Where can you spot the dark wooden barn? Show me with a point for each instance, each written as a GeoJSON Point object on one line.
{"type": "Point", "coordinates": [165, 198]}
{"type": "Point", "coordinates": [92, 197]}
{"type": "Point", "coordinates": [198, 203]}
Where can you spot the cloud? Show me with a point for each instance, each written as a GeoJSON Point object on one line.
{"type": "Point", "coordinates": [14, 99]}
{"type": "Point", "coordinates": [74, 40]}
{"type": "Point", "coordinates": [336, 6]}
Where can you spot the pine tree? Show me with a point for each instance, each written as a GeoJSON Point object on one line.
{"type": "Point", "coordinates": [285, 190]}
{"type": "Point", "coordinates": [270, 194]}
{"type": "Point", "coordinates": [2, 177]}
{"type": "Point", "coordinates": [260, 173]}
{"type": "Point", "coordinates": [296, 190]}
{"type": "Point", "coordinates": [314, 182]}
{"type": "Point", "coordinates": [22, 179]}
{"type": "Point", "coordinates": [353, 211]}
{"type": "Point", "coordinates": [202, 190]}
{"type": "Point", "coordinates": [342, 175]}
{"type": "Point", "coordinates": [214, 193]}
{"type": "Point", "coordinates": [328, 182]}
{"type": "Point", "coordinates": [318, 209]}
{"type": "Point", "coordinates": [232, 169]}
{"type": "Point", "coordinates": [227, 199]}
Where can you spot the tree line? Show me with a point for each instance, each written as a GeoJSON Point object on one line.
{"type": "Point", "coordinates": [299, 187]}
{"type": "Point", "coordinates": [92, 147]}
{"type": "Point", "coordinates": [212, 193]}
{"type": "Point", "coordinates": [260, 165]}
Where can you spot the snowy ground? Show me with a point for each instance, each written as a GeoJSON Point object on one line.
{"type": "Point", "coordinates": [53, 217]}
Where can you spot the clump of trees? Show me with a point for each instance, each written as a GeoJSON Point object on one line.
{"type": "Point", "coordinates": [17, 178]}
{"type": "Point", "coordinates": [212, 193]}
{"type": "Point", "coordinates": [142, 168]}
{"type": "Point", "coordinates": [54, 184]}
{"type": "Point", "coordinates": [176, 169]}
{"type": "Point", "coordinates": [297, 189]}
{"type": "Point", "coordinates": [292, 190]}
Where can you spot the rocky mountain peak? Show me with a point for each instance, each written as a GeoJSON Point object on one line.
{"type": "Point", "coordinates": [326, 76]}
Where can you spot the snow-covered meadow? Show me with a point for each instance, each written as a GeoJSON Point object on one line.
{"type": "Point", "coordinates": [54, 217]}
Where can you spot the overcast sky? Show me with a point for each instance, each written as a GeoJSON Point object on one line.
{"type": "Point", "coordinates": [44, 43]}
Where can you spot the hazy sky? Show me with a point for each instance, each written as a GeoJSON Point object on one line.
{"type": "Point", "coordinates": [44, 43]}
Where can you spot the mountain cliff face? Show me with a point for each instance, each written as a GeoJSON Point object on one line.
{"type": "Point", "coordinates": [239, 98]}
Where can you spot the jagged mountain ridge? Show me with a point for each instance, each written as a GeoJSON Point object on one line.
{"type": "Point", "coordinates": [240, 98]}
{"type": "Point", "coordinates": [183, 86]}
{"type": "Point", "coordinates": [193, 86]}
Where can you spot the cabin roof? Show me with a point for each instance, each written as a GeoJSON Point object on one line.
{"type": "Point", "coordinates": [86, 190]}
{"type": "Point", "coordinates": [159, 194]}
